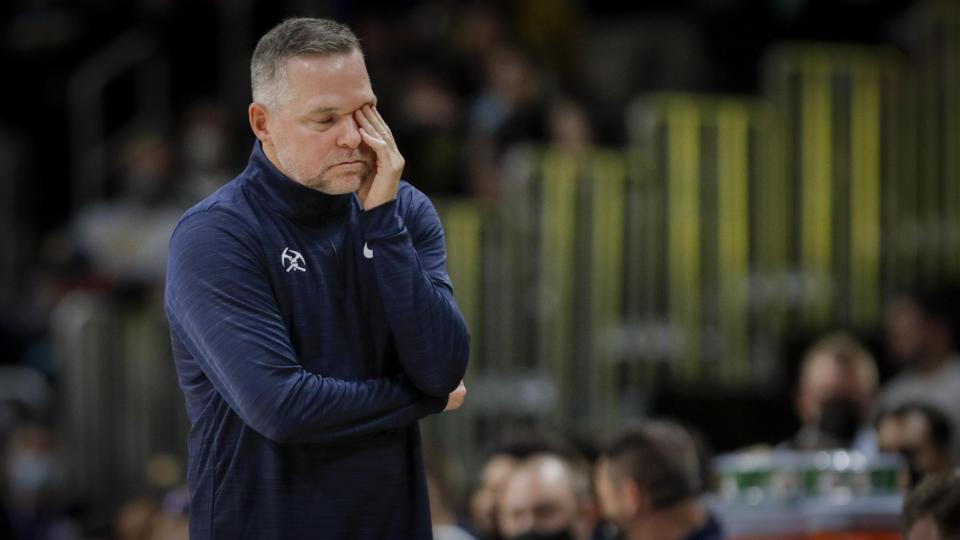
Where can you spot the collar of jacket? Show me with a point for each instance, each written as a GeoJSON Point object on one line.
{"type": "Point", "coordinates": [291, 198]}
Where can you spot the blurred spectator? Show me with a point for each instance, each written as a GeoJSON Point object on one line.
{"type": "Point", "coordinates": [922, 434]}
{"type": "Point", "coordinates": [430, 126]}
{"type": "Point", "coordinates": [160, 514]}
{"type": "Point", "coordinates": [442, 515]}
{"type": "Point", "coordinates": [445, 519]}
{"type": "Point", "coordinates": [921, 336]}
{"type": "Point", "coordinates": [515, 447]}
{"type": "Point", "coordinates": [483, 503]}
{"type": "Point", "coordinates": [837, 384]}
{"type": "Point", "coordinates": [547, 497]}
{"type": "Point", "coordinates": [932, 511]}
{"type": "Point", "coordinates": [33, 506]}
{"type": "Point", "coordinates": [172, 521]}
{"type": "Point", "coordinates": [125, 240]}
{"type": "Point", "coordinates": [203, 148]}
{"type": "Point", "coordinates": [511, 108]}
{"type": "Point", "coordinates": [569, 127]}
{"type": "Point", "coordinates": [136, 519]}
{"type": "Point", "coordinates": [24, 393]}
{"type": "Point", "coordinates": [649, 483]}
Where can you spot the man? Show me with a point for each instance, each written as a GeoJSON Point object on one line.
{"type": "Point", "coordinates": [547, 497]}
{"type": "Point", "coordinates": [922, 434]}
{"type": "Point", "coordinates": [311, 315]}
{"type": "Point", "coordinates": [921, 335]}
{"type": "Point", "coordinates": [648, 484]}
{"type": "Point", "coordinates": [932, 511]}
{"type": "Point", "coordinates": [483, 503]}
{"type": "Point", "coordinates": [837, 383]}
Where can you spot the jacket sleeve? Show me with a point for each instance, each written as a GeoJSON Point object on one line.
{"type": "Point", "coordinates": [409, 261]}
{"type": "Point", "coordinates": [220, 303]}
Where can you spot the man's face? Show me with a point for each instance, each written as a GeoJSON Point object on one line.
{"type": "Point", "coordinates": [612, 503]}
{"type": "Point", "coordinates": [924, 529]}
{"type": "Point", "coordinates": [825, 380]}
{"type": "Point", "coordinates": [313, 137]}
{"type": "Point", "coordinates": [537, 499]}
{"type": "Point", "coordinates": [484, 501]}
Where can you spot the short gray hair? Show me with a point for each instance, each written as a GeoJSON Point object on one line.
{"type": "Point", "coordinates": [294, 37]}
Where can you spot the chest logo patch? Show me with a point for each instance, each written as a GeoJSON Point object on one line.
{"type": "Point", "coordinates": [293, 260]}
{"type": "Point", "coordinates": [367, 252]}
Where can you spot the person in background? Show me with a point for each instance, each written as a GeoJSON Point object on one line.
{"type": "Point", "coordinates": [838, 381]}
{"type": "Point", "coordinates": [445, 517]}
{"type": "Point", "coordinates": [922, 434]}
{"type": "Point", "coordinates": [483, 502]}
{"type": "Point", "coordinates": [932, 510]}
{"type": "Point", "coordinates": [921, 336]}
{"type": "Point", "coordinates": [547, 497]}
{"type": "Point", "coordinates": [648, 482]}
{"type": "Point", "coordinates": [34, 474]}
{"type": "Point", "coordinates": [124, 239]}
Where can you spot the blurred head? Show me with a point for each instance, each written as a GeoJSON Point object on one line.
{"type": "Point", "coordinates": [146, 164]}
{"type": "Point", "coordinates": [838, 379]}
{"type": "Point", "coordinates": [483, 503]}
{"type": "Point", "coordinates": [920, 327]}
{"type": "Point", "coordinates": [136, 519]}
{"type": "Point", "coordinates": [308, 78]}
{"type": "Point", "coordinates": [547, 497]}
{"type": "Point", "coordinates": [647, 470]}
{"type": "Point", "coordinates": [932, 510]}
{"type": "Point", "coordinates": [922, 434]}
{"type": "Point", "coordinates": [33, 468]}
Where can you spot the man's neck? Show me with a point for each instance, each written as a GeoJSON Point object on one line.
{"type": "Point", "coordinates": [270, 152]}
{"type": "Point", "coordinates": [674, 523]}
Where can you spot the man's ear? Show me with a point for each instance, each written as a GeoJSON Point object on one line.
{"type": "Point", "coordinates": [635, 499]}
{"type": "Point", "coordinates": [259, 120]}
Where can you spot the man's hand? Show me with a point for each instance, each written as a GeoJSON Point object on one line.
{"type": "Point", "coordinates": [389, 166]}
{"type": "Point", "coordinates": [456, 398]}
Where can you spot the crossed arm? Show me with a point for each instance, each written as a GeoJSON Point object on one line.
{"type": "Point", "coordinates": [221, 307]}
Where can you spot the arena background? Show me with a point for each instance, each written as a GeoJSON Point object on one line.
{"type": "Point", "coordinates": [651, 209]}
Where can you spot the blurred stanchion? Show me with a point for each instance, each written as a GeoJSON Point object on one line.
{"type": "Point", "coordinates": [120, 403]}
{"type": "Point", "coordinates": [826, 495]}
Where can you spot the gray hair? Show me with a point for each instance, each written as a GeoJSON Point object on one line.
{"type": "Point", "coordinates": [293, 37]}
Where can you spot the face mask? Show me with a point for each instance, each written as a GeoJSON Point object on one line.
{"type": "Point", "coordinates": [840, 419]}
{"type": "Point", "coordinates": [562, 534]}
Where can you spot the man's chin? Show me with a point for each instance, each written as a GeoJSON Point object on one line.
{"type": "Point", "coordinates": [339, 184]}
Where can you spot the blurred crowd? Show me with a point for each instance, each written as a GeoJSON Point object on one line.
{"type": "Point", "coordinates": [651, 480]}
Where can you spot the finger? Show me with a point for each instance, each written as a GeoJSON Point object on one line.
{"type": "Point", "coordinates": [376, 120]}
{"type": "Point", "coordinates": [364, 122]}
{"type": "Point", "coordinates": [372, 141]}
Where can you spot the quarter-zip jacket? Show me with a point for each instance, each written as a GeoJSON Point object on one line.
{"type": "Point", "coordinates": [309, 337]}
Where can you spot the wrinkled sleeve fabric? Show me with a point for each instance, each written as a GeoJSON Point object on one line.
{"type": "Point", "coordinates": [220, 303]}
{"type": "Point", "coordinates": [409, 257]}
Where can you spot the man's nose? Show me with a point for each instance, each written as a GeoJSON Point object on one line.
{"type": "Point", "coordinates": [349, 136]}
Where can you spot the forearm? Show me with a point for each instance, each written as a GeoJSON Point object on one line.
{"type": "Point", "coordinates": [394, 419]}
{"type": "Point", "coordinates": [428, 329]}
{"type": "Point", "coordinates": [282, 401]}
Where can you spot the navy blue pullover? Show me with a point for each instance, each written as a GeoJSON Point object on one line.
{"type": "Point", "coordinates": [309, 337]}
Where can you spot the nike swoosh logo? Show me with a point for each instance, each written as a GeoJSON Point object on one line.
{"type": "Point", "coordinates": [367, 252]}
